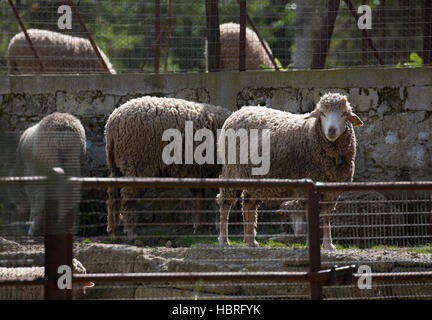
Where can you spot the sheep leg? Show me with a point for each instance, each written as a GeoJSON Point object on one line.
{"type": "Point", "coordinates": [249, 210]}
{"type": "Point", "coordinates": [113, 207]}
{"type": "Point", "coordinates": [196, 215]}
{"type": "Point", "coordinates": [327, 239]}
{"type": "Point", "coordinates": [226, 200]}
{"type": "Point", "coordinates": [37, 204]}
{"type": "Point", "coordinates": [130, 211]}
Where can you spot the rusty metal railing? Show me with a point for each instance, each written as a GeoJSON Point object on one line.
{"type": "Point", "coordinates": [316, 276]}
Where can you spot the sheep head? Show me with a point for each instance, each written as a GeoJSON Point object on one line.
{"type": "Point", "coordinates": [334, 111]}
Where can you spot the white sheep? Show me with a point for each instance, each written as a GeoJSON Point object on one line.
{"type": "Point", "coordinates": [320, 146]}
{"type": "Point", "coordinates": [59, 53]}
{"type": "Point", "coordinates": [57, 141]}
{"type": "Point", "coordinates": [256, 56]}
{"type": "Point", "coordinates": [134, 148]}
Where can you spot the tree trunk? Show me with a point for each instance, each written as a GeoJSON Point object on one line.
{"type": "Point", "coordinates": [213, 35]}
{"type": "Point", "coordinates": [306, 20]}
{"type": "Point", "coordinates": [327, 25]}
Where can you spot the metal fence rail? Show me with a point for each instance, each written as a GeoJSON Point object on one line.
{"type": "Point", "coordinates": [318, 276]}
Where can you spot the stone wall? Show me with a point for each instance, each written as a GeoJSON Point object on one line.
{"type": "Point", "coordinates": [395, 142]}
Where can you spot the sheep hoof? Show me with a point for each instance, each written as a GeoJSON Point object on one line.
{"type": "Point", "coordinates": [130, 236]}
{"type": "Point", "coordinates": [113, 236]}
{"type": "Point", "coordinates": [253, 244]}
{"type": "Point", "coordinates": [329, 246]}
{"type": "Point", "coordinates": [224, 242]}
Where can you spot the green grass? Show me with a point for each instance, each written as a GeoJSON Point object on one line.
{"type": "Point", "coordinates": [427, 248]}
{"type": "Point", "coordinates": [238, 242]}
{"type": "Point", "coordinates": [193, 240]}
{"type": "Point", "coordinates": [417, 249]}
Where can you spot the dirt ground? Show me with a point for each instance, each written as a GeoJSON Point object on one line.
{"type": "Point", "coordinates": [121, 258]}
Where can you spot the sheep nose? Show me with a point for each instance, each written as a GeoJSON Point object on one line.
{"type": "Point", "coordinates": [332, 131]}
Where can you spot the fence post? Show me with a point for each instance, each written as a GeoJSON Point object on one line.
{"type": "Point", "coordinates": [58, 224]}
{"type": "Point", "coordinates": [157, 36]}
{"type": "Point", "coordinates": [89, 36]}
{"type": "Point", "coordinates": [58, 251]}
{"type": "Point", "coordinates": [327, 25]}
{"type": "Point", "coordinates": [213, 35]}
{"type": "Point", "coordinates": [242, 36]}
{"type": "Point", "coordinates": [427, 31]}
{"type": "Point", "coordinates": [314, 241]}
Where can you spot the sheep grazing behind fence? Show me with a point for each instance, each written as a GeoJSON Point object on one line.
{"type": "Point", "coordinates": [320, 146]}
{"type": "Point", "coordinates": [134, 148]}
{"type": "Point", "coordinates": [256, 56]}
{"type": "Point", "coordinates": [57, 141]}
{"type": "Point", "coordinates": [57, 52]}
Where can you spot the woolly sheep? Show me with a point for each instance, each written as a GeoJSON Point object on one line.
{"type": "Point", "coordinates": [57, 141]}
{"type": "Point", "coordinates": [134, 148]}
{"type": "Point", "coordinates": [320, 146]}
{"type": "Point", "coordinates": [58, 52]}
{"type": "Point", "coordinates": [256, 56]}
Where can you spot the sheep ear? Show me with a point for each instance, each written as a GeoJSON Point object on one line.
{"type": "Point", "coordinates": [355, 120]}
{"type": "Point", "coordinates": [313, 114]}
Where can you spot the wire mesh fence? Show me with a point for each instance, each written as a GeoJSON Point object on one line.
{"type": "Point", "coordinates": [170, 36]}
{"type": "Point", "coordinates": [384, 228]}
{"type": "Point", "coordinates": [194, 266]}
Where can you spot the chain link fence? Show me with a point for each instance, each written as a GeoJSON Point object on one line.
{"type": "Point", "coordinates": [173, 35]}
{"type": "Point", "coordinates": [379, 229]}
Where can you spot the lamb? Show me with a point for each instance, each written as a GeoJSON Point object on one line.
{"type": "Point", "coordinates": [256, 56]}
{"type": "Point", "coordinates": [320, 146]}
{"type": "Point", "coordinates": [59, 53]}
{"type": "Point", "coordinates": [134, 148]}
{"type": "Point", "coordinates": [57, 141]}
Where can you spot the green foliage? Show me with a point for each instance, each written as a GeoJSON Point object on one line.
{"type": "Point", "coordinates": [416, 61]}
{"type": "Point", "coordinates": [278, 64]}
{"type": "Point", "coordinates": [124, 30]}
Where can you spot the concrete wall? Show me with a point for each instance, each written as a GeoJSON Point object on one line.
{"type": "Point", "coordinates": [395, 142]}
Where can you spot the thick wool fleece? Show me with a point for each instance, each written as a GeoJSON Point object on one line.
{"type": "Point", "coordinates": [256, 56]}
{"type": "Point", "coordinates": [58, 140]}
{"type": "Point", "coordinates": [298, 149]}
{"type": "Point", "coordinates": [59, 53]}
{"type": "Point", "coordinates": [134, 146]}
